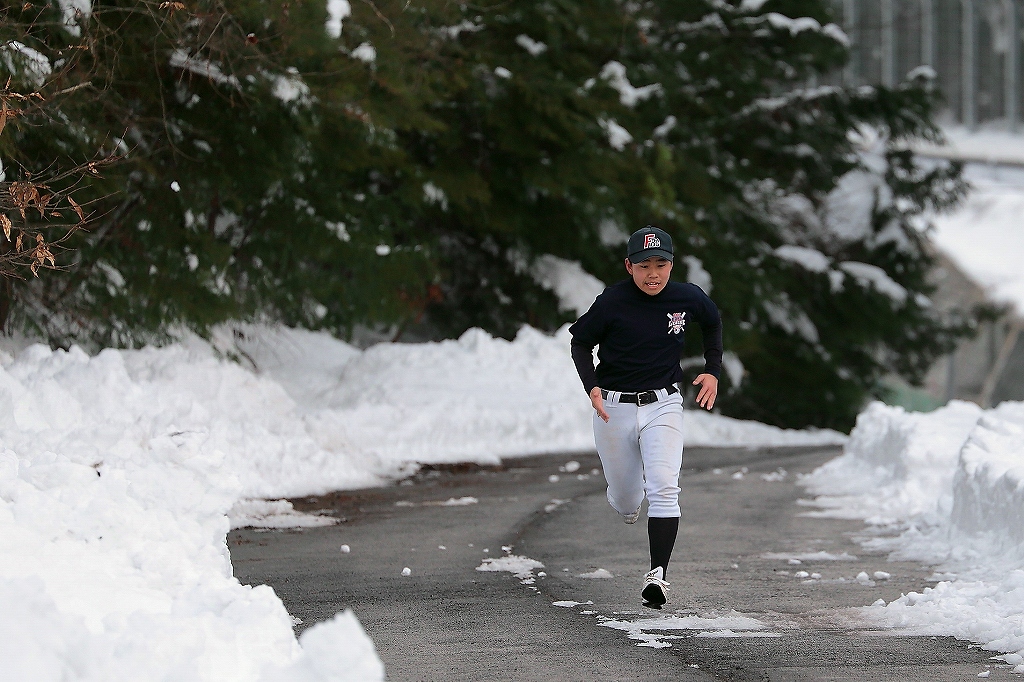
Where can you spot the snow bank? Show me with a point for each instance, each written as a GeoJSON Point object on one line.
{"type": "Point", "coordinates": [989, 482]}
{"type": "Point", "coordinates": [988, 144]}
{"type": "Point", "coordinates": [897, 465]}
{"type": "Point", "coordinates": [477, 398]}
{"type": "Point", "coordinates": [950, 485]}
{"type": "Point", "coordinates": [118, 473]}
{"type": "Point", "coordinates": [983, 235]}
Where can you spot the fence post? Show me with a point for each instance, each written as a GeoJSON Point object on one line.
{"type": "Point", "coordinates": [852, 70]}
{"type": "Point", "coordinates": [1010, 70]}
{"type": "Point", "coordinates": [928, 33]}
{"type": "Point", "coordinates": [888, 62]}
{"type": "Point", "coordinates": [968, 107]}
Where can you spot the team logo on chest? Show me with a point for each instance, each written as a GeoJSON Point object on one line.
{"type": "Point", "coordinates": [676, 322]}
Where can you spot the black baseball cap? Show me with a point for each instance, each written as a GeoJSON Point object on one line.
{"type": "Point", "coordinates": [649, 242]}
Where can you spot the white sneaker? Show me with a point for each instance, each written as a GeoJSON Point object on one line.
{"type": "Point", "coordinates": [631, 518]}
{"type": "Point", "coordinates": [655, 591]}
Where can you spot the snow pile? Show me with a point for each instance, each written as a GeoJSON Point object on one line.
{"type": "Point", "coordinates": [116, 473]}
{"type": "Point", "coordinates": [478, 398]}
{"type": "Point", "coordinates": [989, 484]}
{"type": "Point", "coordinates": [119, 473]}
{"type": "Point", "coordinates": [897, 465]}
{"type": "Point", "coordinates": [712, 430]}
{"type": "Point", "coordinates": [951, 484]}
{"type": "Point", "coordinates": [988, 144]}
{"type": "Point", "coordinates": [984, 235]}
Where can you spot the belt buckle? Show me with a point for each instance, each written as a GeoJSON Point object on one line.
{"type": "Point", "coordinates": [646, 398]}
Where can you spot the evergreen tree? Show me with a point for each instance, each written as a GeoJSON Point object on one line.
{"type": "Point", "coordinates": [800, 200]}
{"type": "Point", "coordinates": [240, 191]}
{"type": "Point", "coordinates": [399, 163]}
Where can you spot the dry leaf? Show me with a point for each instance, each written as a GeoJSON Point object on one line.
{"type": "Point", "coordinates": [42, 253]}
{"type": "Point", "coordinates": [17, 244]}
{"type": "Point", "coordinates": [41, 202]}
{"type": "Point", "coordinates": [5, 114]}
{"type": "Point", "coordinates": [78, 209]}
{"type": "Point", "coordinates": [23, 194]}
{"type": "Point", "coordinates": [173, 6]}
{"type": "Point", "coordinates": [5, 223]}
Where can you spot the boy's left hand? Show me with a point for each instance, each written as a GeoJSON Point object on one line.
{"type": "Point", "coordinates": [708, 390]}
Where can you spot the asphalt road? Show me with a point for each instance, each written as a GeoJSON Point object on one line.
{"type": "Point", "coordinates": [448, 621]}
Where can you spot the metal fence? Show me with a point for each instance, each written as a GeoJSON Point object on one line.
{"type": "Point", "coordinates": [974, 46]}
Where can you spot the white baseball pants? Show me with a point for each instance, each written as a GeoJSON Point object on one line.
{"type": "Point", "coordinates": [641, 450]}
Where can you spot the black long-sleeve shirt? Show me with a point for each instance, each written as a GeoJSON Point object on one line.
{"type": "Point", "coordinates": [640, 337]}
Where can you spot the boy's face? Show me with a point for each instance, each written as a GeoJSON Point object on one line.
{"type": "Point", "coordinates": [650, 275]}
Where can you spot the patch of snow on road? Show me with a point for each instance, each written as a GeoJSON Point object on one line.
{"type": "Point", "coordinates": [453, 502]}
{"type": "Point", "coordinates": [733, 624]}
{"type": "Point", "coordinates": [273, 514]}
{"type": "Point", "coordinates": [597, 573]}
{"type": "Point", "coordinates": [776, 476]}
{"type": "Point", "coordinates": [732, 633]}
{"type": "Point", "coordinates": [553, 505]}
{"type": "Point", "coordinates": [801, 557]}
{"type": "Point", "coordinates": [520, 566]}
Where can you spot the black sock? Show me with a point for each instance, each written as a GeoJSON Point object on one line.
{"type": "Point", "coordinates": [662, 534]}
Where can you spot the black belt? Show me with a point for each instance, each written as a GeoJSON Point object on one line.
{"type": "Point", "coordinates": [642, 398]}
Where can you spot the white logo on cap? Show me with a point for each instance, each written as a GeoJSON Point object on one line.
{"type": "Point", "coordinates": [651, 241]}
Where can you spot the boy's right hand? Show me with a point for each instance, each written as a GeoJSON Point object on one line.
{"type": "Point", "coordinates": [598, 402]}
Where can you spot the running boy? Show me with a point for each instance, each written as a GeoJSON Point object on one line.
{"type": "Point", "coordinates": [637, 326]}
